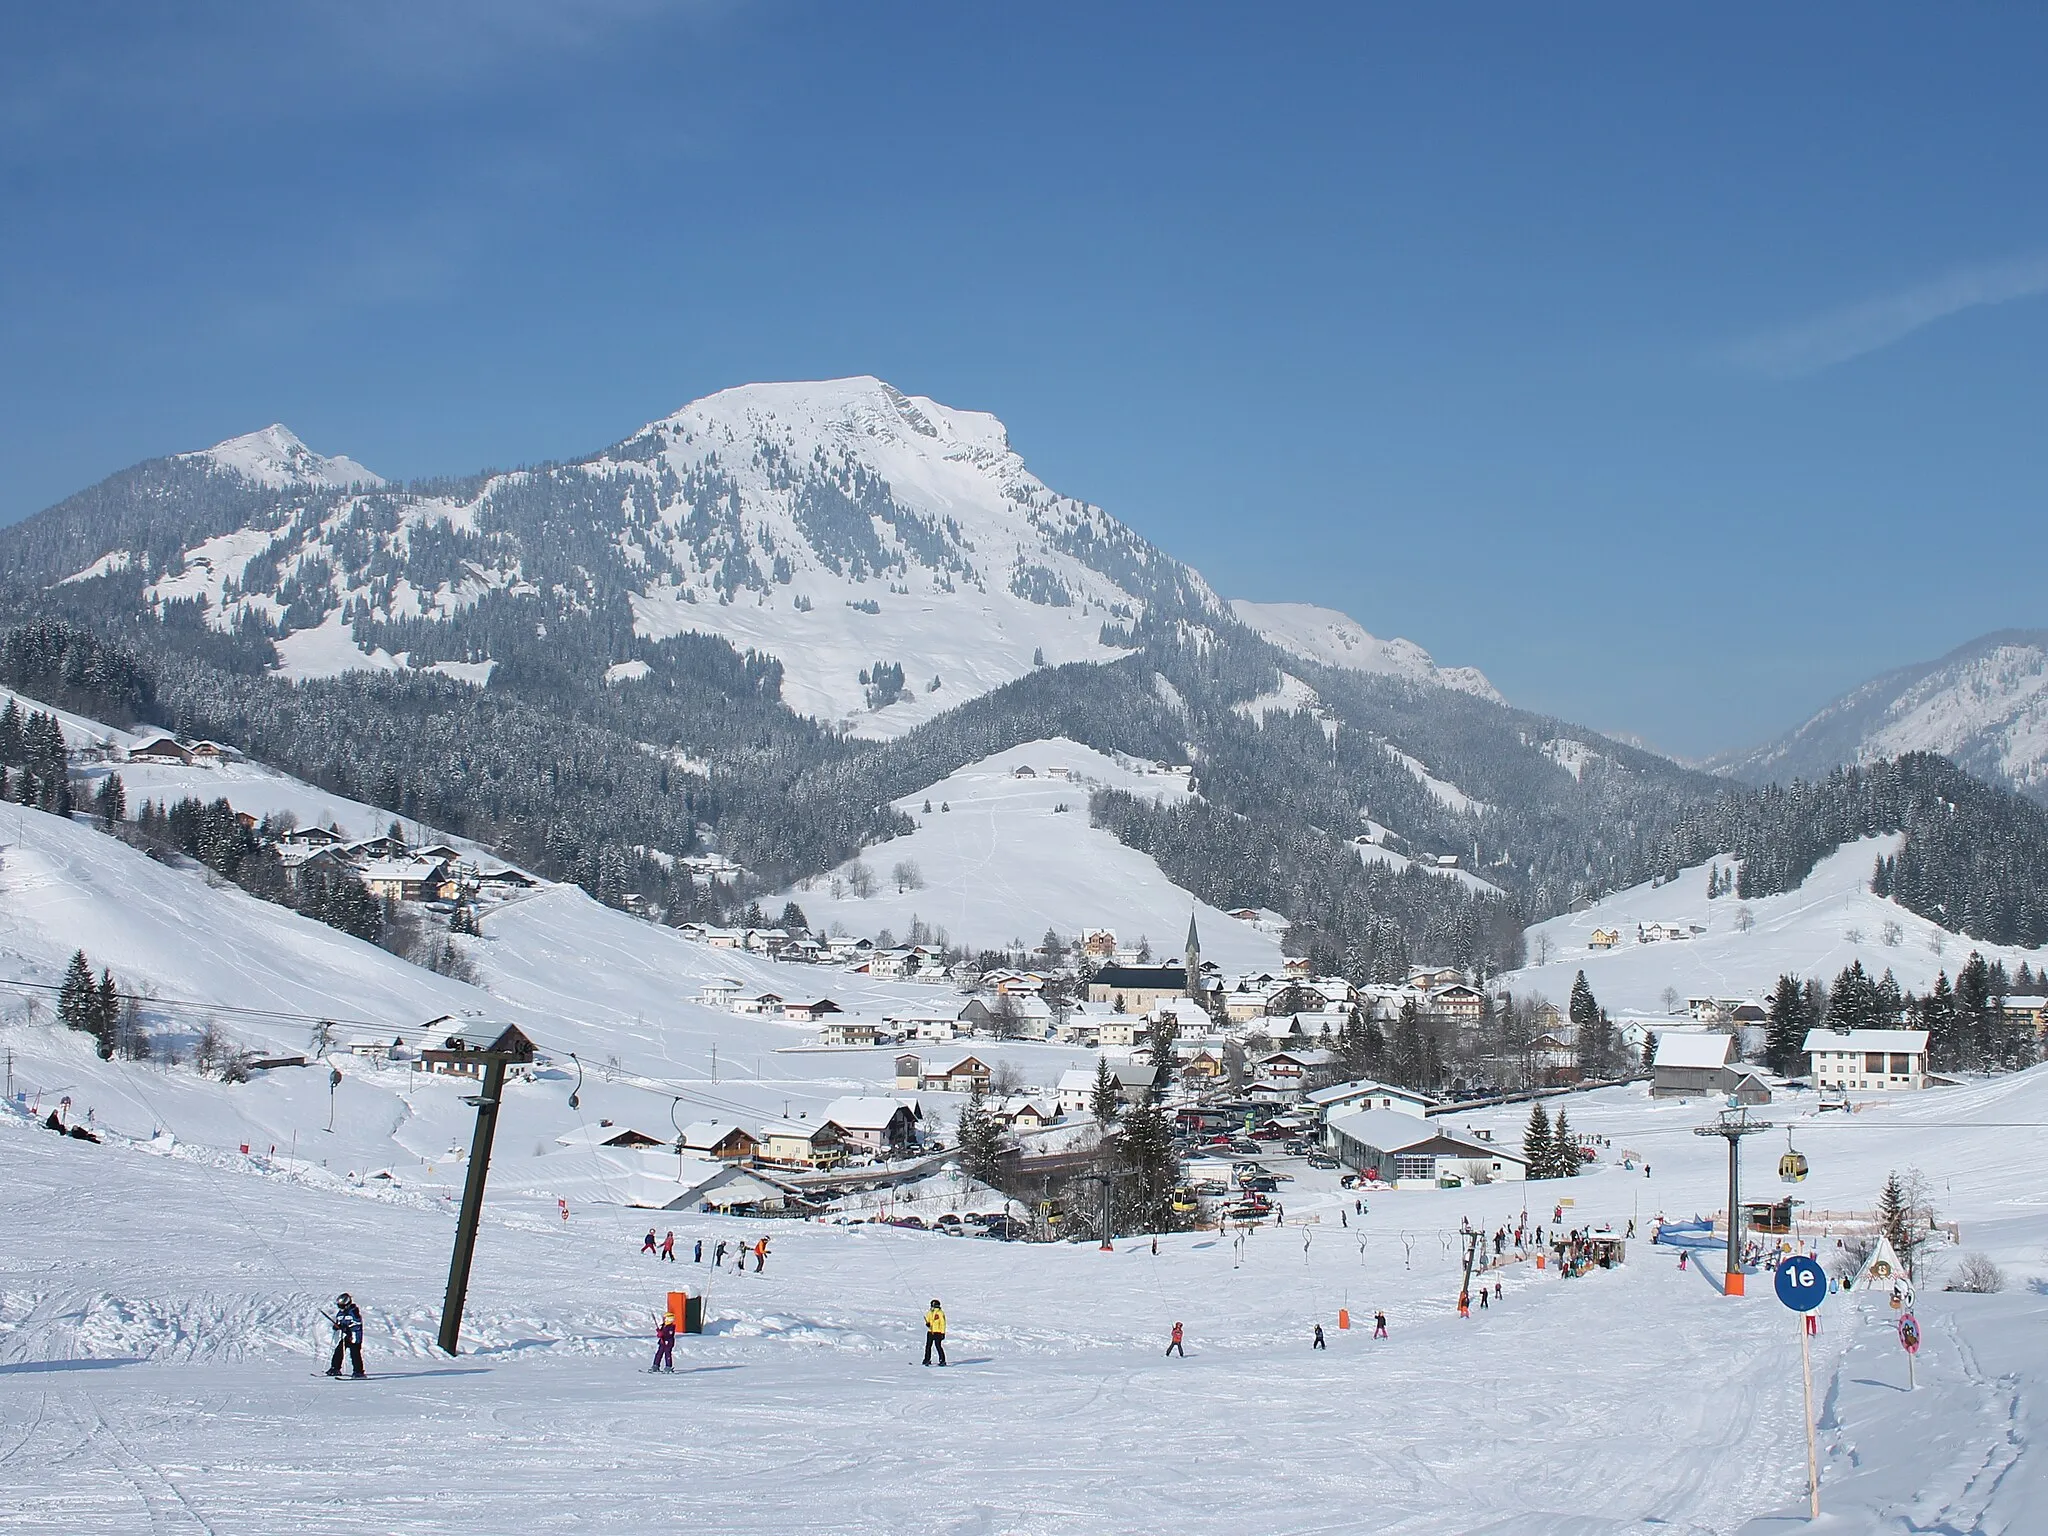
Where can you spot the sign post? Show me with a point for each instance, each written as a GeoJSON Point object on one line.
{"type": "Point", "coordinates": [1803, 1286]}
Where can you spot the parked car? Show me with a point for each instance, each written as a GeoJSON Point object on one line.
{"type": "Point", "coordinates": [1321, 1160]}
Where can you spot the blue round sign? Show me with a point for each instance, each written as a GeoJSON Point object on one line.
{"type": "Point", "coordinates": [1802, 1283]}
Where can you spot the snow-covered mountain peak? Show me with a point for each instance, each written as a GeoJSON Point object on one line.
{"type": "Point", "coordinates": [1984, 706]}
{"type": "Point", "coordinates": [1338, 640]}
{"type": "Point", "coordinates": [277, 458]}
{"type": "Point", "coordinates": [842, 410]}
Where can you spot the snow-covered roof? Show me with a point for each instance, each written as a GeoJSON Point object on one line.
{"type": "Point", "coordinates": [1075, 1080]}
{"type": "Point", "coordinates": [1339, 1093]}
{"type": "Point", "coordinates": [863, 1114]}
{"type": "Point", "coordinates": [1388, 1130]}
{"type": "Point", "coordinates": [709, 1133]}
{"type": "Point", "coordinates": [1911, 1041]}
{"type": "Point", "coordinates": [1693, 1050]}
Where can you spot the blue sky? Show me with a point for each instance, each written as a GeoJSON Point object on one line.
{"type": "Point", "coordinates": [1678, 369]}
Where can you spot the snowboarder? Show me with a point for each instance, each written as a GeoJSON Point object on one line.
{"type": "Point", "coordinates": [1175, 1347]}
{"type": "Point", "coordinates": [668, 1247]}
{"type": "Point", "coordinates": [935, 1332]}
{"type": "Point", "coordinates": [348, 1335]}
{"type": "Point", "coordinates": [1319, 1344]}
{"type": "Point", "coordinates": [1379, 1325]}
{"type": "Point", "coordinates": [664, 1344]}
{"type": "Point", "coordinates": [647, 1244]}
{"type": "Point", "coordinates": [699, 1259]}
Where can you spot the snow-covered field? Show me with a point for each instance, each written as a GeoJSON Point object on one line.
{"type": "Point", "coordinates": [159, 1336]}
{"type": "Point", "coordinates": [1816, 930]}
{"type": "Point", "coordinates": [1007, 863]}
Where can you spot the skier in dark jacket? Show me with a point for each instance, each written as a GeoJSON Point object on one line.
{"type": "Point", "coordinates": [348, 1335]}
{"type": "Point", "coordinates": [1319, 1344]}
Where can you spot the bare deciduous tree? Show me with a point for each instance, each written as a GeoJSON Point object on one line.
{"type": "Point", "coordinates": [907, 875]}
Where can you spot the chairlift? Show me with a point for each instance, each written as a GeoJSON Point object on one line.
{"type": "Point", "coordinates": [1792, 1166]}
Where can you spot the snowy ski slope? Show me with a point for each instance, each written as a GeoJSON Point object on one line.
{"type": "Point", "coordinates": [182, 1393]}
{"type": "Point", "coordinates": [1816, 930]}
{"type": "Point", "coordinates": [1006, 862]}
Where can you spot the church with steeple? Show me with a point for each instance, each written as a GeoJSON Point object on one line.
{"type": "Point", "coordinates": [1193, 962]}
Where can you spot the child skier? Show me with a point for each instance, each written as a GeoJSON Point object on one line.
{"type": "Point", "coordinates": [668, 1247]}
{"type": "Point", "coordinates": [1319, 1344]}
{"type": "Point", "coordinates": [664, 1345]}
{"type": "Point", "coordinates": [935, 1332]}
{"type": "Point", "coordinates": [647, 1244]}
{"type": "Point", "coordinates": [348, 1335]}
{"type": "Point", "coordinates": [1175, 1347]}
{"type": "Point", "coordinates": [1379, 1325]}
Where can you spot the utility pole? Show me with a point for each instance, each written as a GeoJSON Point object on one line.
{"type": "Point", "coordinates": [1732, 1127]}
{"type": "Point", "coordinates": [472, 1194]}
{"type": "Point", "coordinates": [1471, 1256]}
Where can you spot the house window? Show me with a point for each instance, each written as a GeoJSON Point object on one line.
{"type": "Point", "coordinates": [1902, 1066]}
{"type": "Point", "coordinates": [1407, 1167]}
{"type": "Point", "coordinates": [1873, 1061]}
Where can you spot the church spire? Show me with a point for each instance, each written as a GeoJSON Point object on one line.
{"type": "Point", "coordinates": [1193, 961]}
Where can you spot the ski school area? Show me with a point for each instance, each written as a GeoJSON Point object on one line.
{"type": "Point", "coordinates": [163, 1349]}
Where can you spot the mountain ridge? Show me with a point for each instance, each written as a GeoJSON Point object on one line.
{"type": "Point", "coordinates": [1984, 705]}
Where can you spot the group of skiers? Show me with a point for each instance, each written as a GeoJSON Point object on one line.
{"type": "Point", "coordinates": [1178, 1343]}
{"type": "Point", "coordinates": [666, 1249]}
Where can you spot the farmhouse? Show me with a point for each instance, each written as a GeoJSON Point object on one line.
{"type": "Point", "coordinates": [720, 1139]}
{"type": "Point", "coordinates": [1412, 1153]}
{"type": "Point", "coordinates": [843, 1031]}
{"type": "Point", "coordinates": [1889, 1059]}
{"type": "Point", "coordinates": [955, 1076]}
{"type": "Point", "coordinates": [874, 1125]}
{"type": "Point", "coordinates": [159, 749]}
{"type": "Point", "coordinates": [803, 1144]}
{"type": "Point", "coordinates": [1604, 938]}
{"type": "Point", "coordinates": [403, 879]}
{"type": "Point", "coordinates": [798, 1011]}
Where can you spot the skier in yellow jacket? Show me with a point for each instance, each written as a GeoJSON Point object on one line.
{"type": "Point", "coordinates": [935, 1332]}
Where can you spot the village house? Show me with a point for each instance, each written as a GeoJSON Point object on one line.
{"type": "Point", "coordinates": [505, 881]}
{"type": "Point", "coordinates": [720, 992]}
{"type": "Point", "coordinates": [874, 1125]}
{"type": "Point", "coordinates": [1134, 1080]}
{"type": "Point", "coordinates": [720, 1139]}
{"type": "Point", "coordinates": [1412, 1153]}
{"type": "Point", "coordinates": [309, 837]}
{"type": "Point", "coordinates": [802, 1144]}
{"type": "Point", "coordinates": [1689, 1065]}
{"type": "Point", "coordinates": [160, 749]}
{"type": "Point", "coordinates": [909, 1071]}
{"type": "Point", "coordinates": [1022, 1112]}
{"type": "Point", "coordinates": [1074, 1092]}
{"type": "Point", "coordinates": [1301, 1070]}
{"type": "Point", "coordinates": [765, 1005]}
{"type": "Point", "coordinates": [1427, 978]}
{"type": "Point", "coordinates": [1121, 1032]}
{"type": "Point", "coordinates": [938, 1027]}
{"type": "Point", "coordinates": [402, 879]}
{"type": "Point", "coordinates": [1893, 1060]}
{"type": "Point", "coordinates": [1340, 1098]}
{"type": "Point", "coordinates": [800, 1011]}
{"type": "Point", "coordinates": [1604, 938]}
{"type": "Point", "coordinates": [846, 1032]}
{"type": "Point", "coordinates": [2030, 1011]}
{"type": "Point", "coordinates": [958, 1075]}
{"type": "Point", "coordinates": [455, 1057]}
{"type": "Point", "coordinates": [618, 1138]}
{"type": "Point", "coordinates": [1458, 1003]}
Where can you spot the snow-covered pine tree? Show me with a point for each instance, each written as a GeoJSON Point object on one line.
{"type": "Point", "coordinates": [77, 997]}
{"type": "Point", "coordinates": [1785, 1029]}
{"type": "Point", "coordinates": [1564, 1149]}
{"type": "Point", "coordinates": [1536, 1142]}
{"type": "Point", "coordinates": [1102, 1100]}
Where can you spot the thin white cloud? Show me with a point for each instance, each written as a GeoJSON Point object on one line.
{"type": "Point", "coordinates": [1840, 334]}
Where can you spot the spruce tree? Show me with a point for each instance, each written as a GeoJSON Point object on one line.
{"type": "Point", "coordinates": [1102, 1099]}
{"type": "Point", "coordinates": [78, 998]}
{"type": "Point", "coordinates": [1785, 1038]}
{"type": "Point", "coordinates": [1536, 1151]}
{"type": "Point", "coordinates": [1564, 1149]}
{"type": "Point", "coordinates": [106, 1013]}
{"type": "Point", "coordinates": [980, 1137]}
